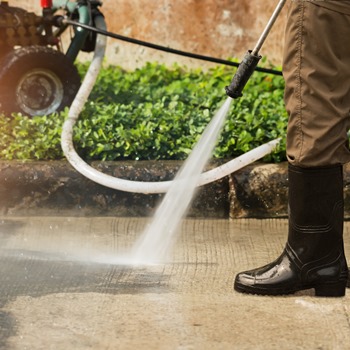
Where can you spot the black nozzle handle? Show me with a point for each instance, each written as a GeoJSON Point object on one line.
{"type": "Point", "coordinates": [242, 75]}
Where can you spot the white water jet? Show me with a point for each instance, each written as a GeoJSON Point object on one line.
{"type": "Point", "coordinates": [154, 243]}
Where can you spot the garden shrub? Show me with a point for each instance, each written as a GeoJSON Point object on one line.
{"type": "Point", "coordinates": [155, 112]}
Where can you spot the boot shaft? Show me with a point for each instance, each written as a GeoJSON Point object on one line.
{"type": "Point", "coordinates": [314, 194]}
{"type": "Point", "coordinates": [316, 211]}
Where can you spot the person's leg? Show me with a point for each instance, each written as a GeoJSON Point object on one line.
{"type": "Point", "coordinates": [317, 76]}
{"type": "Point", "coordinates": [317, 99]}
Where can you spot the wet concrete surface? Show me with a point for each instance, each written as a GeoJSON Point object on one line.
{"type": "Point", "coordinates": [61, 288]}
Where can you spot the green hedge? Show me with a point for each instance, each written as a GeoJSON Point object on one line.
{"type": "Point", "coordinates": [155, 112]}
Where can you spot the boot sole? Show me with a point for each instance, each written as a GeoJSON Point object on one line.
{"type": "Point", "coordinates": [336, 289]}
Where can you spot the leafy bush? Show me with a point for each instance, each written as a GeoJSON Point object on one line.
{"type": "Point", "coordinates": [155, 112]}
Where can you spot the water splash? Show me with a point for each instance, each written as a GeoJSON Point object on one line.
{"type": "Point", "coordinates": [157, 239]}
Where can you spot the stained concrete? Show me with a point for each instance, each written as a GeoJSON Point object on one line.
{"type": "Point", "coordinates": [54, 295]}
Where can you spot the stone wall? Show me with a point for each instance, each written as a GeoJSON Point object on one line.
{"type": "Point", "coordinates": [37, 188]}
{"type": "Point", "coordinates": [220, 28]}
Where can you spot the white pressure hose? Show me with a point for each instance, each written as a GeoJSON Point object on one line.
{"type": "Point", "coordinates": [128, 185]}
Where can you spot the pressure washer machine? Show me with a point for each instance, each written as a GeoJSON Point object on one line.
{"type": "Point", "coordinates": [36, 76]}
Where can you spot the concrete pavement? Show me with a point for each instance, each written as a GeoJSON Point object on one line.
{"type": "Point", "coordinates": [56, 294]}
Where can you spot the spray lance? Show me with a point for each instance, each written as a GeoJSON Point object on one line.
{"type": "Point", "coordinates": [251, 59]}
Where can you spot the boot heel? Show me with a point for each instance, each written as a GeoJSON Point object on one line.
{"type": "Point", "coordinates": [331, 289]}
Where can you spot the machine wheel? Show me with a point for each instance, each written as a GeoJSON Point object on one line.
{"type": "Point", "coordinates": [37, 80]}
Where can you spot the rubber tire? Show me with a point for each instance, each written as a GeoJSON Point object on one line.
{"type": "Point", "coordinates": [43, 73]}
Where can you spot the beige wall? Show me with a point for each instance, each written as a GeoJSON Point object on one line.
{"type": "Point", "coordinates": [220, 28]}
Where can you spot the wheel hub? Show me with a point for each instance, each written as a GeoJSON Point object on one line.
{"type": "Point", "coordinates": [39, 92]}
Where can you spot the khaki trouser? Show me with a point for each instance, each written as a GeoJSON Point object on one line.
{"type": "Point", "coordinates": [316, 69]}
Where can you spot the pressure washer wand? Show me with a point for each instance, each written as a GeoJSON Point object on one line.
{"type": "Point", "coordinates": [251, 59]}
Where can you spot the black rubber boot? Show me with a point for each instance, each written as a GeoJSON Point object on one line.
{"type": "Point", "coordinates": [314, 253]}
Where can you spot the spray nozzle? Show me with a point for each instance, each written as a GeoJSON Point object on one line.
{"type": "Point", "coordinates": [242, 75]}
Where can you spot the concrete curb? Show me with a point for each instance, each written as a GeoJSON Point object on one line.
{"type": "Point", "coordinates": [55, 188]}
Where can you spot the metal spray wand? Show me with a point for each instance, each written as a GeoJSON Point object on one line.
{"type": "Point", "coordinates": [251, 59]}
